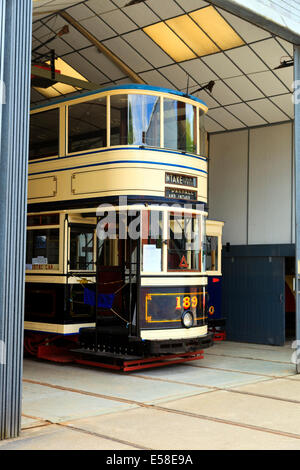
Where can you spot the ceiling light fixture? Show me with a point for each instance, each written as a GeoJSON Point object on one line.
{"type": "Point", "coordinates": [169, 42]}
{"type": "Point", "coordinates": [209, 87]}
{"type": "Point", "coordinates": [134, 2]}
{"type": "Point", "coordinates": [218, 29]}
{"type": "Point", "coordinates": [192, 35]}
{"type": "Point", "coordinates": [285, 63]}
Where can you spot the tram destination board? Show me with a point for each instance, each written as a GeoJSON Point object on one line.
{"type": "Point", "coordinates": [181, 180]}
{"type": "Point", "coordinates": [181, 193]}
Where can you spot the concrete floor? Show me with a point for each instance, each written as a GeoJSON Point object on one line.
{"type": "Point", "coordinates": [240, 396]}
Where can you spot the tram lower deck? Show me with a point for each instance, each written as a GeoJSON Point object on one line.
{"type": "Point", "coordinates": [119, 252]}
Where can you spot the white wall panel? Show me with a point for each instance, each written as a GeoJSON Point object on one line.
{"type": "Point", "coordinates": [270, 175]}
{"type": "Point", "coordinates": [228, 184]}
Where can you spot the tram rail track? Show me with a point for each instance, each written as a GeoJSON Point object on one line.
{"type": "Point", "coordinates": [165, 409]}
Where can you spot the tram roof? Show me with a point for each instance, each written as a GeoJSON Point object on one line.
{"type": "Point", "coordinates": [129, 87]}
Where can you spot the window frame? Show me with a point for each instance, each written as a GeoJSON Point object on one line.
{"type": "Point", "coordinates": [60, 132]}
{"type": "Point", "coordinates": [60, 228]}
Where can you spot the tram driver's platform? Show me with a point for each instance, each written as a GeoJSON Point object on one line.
{"type": "Point", "coordinates": [240, 396]}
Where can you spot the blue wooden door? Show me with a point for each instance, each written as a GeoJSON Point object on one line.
{"type": "Point", "coordinates": [254, 299]}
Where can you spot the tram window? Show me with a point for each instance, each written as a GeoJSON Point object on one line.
{"type": "Point", "coordinates": [180, 126]}
{"type": "Point", "coordinates": [82, 248]}
{"type": "Point", "coordinates": [152, 241]}
{"type": "Point", "coordinates": [203, 136]}
{"type": "Point", "coordinates": [42, 249]}
{"type": "Point", "coordinates": [87, 125]}
{"type": "Point", "coordinates": [184, 244]}
{"type": "Point", "coordinates": [44, 134]}
{"type": "Point", "coordinates": [212, 253]}
{"type": "Point", "coordinates": [135, 120]}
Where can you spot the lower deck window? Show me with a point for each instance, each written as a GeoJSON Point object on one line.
{"type": "Point", "coordinates": [184, 251]}
{"type": "Point", "coordinates": [42, 249]}
{"type": "Point", "coordinates": [211, 253]}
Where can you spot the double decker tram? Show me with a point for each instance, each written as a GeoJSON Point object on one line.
{"type": "Point", "coordinates": [119, 248]}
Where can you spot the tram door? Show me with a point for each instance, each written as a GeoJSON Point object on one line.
{"type": "Point", "coordinates": [117, 268]}
{"type": "Point", "coordinates": [81, 270]}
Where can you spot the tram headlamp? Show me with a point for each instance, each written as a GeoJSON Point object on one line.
{"type": "Point", "coordinates": [187, 319]}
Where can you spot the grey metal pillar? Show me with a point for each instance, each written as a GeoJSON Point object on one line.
{"type": "Point", "coordinates": [15, 59]}
{"type": "Point", "coordinates": [297, 194]}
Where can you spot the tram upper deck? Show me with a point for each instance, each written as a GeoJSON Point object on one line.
{"type": "Point", "coordinates": [129, 140]}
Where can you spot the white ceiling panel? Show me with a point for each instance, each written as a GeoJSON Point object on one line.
{"type": "Point", "coordinates": [211, 125]}
{"type": "Point", "coordinates": [75, 39]}
{"type": "Point", "coordinates": [223, 94]}
{"type": "Point", "coordinates": [246, 114]}
{"type": "Point", "coordinates": [268, 83]}
{"type": "Point", "coordinates": [198, 70]}
{"type": "Point", "coordinates": [80, 12]}
{"type": "Point", "coordinates": [288, 46]}
{"type": "Point", "coordinates": [118, 21]}
{"type": "Point", "coordinates": [177, 76]}
{"type": "Point", "coordinates": [287, 76]}
{"type": "Point", "coordinates": [223, 66]}
{"type": "Point", "coordinates": [247, 31]}
{"type": "Point", "coordinates": [165, 8]}
{"type": "Point", "coordinates": [51, 5]}
{"type": "Point", "coordinates": [141, 14]}
{"type": "Point", "coordinates": [268, 110]}
{"type": "Point", "coordinates": [244, 88]}
{"type": "Point", "coordinates": [154, 78]}
{"type": "Point", "coordinates": [246, 59]}
{"type": "Point", "coordinates": [143, 44]}
{"type": "Point", "coordinates": [120, 3]}
{"type": "Point", "coordinates": [285, 102]}
{"type": "Point", "coordinates": [103, 63]}
{"type": "Point", "coordinates": [269, 51]}
{"type": "Point", "coordinates": [206, 97]}
{"type": "Point", "coordinates": [124, 81]}
{"type": "Point", "coordinates": [189, 5]}
{"type": "Point", "coordinates": [98, 28]}
{"type": "Point", "coordinates": [43, 33]}
{"type": "Point", "coordinates": [61, 47]}
{"type": "Point", "coordinates": [226, 119]}
{"type": "Point", "coordinates": [119, 47]}
{"type": "Point", "coordinates": [100, 6]}
{"type": "Point", "coordinates": [86, 69]}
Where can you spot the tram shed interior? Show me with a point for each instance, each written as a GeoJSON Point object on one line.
{"type": "Point", "coordinates": [250, 149]}
{"type": "Point", "coordinates": [249, 126]}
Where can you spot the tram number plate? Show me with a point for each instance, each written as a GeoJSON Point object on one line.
{"type": "Point", "coordinates": [162, 307]}
{"type": "Point", "coordinates": [186, 302]}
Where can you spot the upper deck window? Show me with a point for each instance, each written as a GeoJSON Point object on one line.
{"type": "Point", "coordinates": [87, 125]}
{"type": "Point", "coordinates": [135, 120]}
{"type": "Point", "coordinates": [44, 134]}
{"type": "Point", "coordinates": [180, 126]}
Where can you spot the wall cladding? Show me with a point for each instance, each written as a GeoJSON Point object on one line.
{"type": "Point", "coordinates": [251, 184]}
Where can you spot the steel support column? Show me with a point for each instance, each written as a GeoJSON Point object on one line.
{"type": "Point", "coordinates": [297, 193]}
{"type": "Point", "coordinates": [15, 60]}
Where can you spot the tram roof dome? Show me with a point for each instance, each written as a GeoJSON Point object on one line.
{"type": "Point", "coordinates": [130, 86]}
